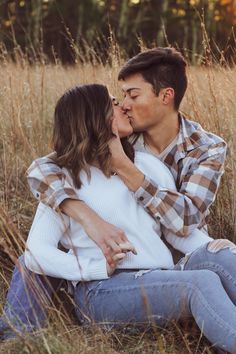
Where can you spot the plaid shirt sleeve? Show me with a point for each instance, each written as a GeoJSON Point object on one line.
{"type": "Point", "coordinates": [48, 182]}
{"type": "Point", "coordinates": [183, 211]}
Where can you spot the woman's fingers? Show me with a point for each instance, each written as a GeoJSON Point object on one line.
{"type": "Point", "coordinates": [118, 257]}
{"type": "Point", "coordinates": [114, 246]}
{"type": "Point", "coordinates": [127, 247]}
{"type": "Point", "coordinates": [114, 127]}
{"type": "Point", "coordinates": [121, 246]}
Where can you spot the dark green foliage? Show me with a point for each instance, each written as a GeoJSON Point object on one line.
{"type": "Point", "coordinates": [67, 29]}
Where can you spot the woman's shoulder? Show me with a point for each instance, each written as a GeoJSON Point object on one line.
{"type": "Point", "coordinates": [154, 168]}
{"type": "Point", "coordinates": [146, 159]}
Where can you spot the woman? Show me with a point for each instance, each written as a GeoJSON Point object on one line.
{"type": "Point", "coordinates": [144, 285]}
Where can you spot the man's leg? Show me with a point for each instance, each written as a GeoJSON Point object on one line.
{"type": "Point", "coordinates": [218, 256]}
{"type": "Point", "coordinates": [27, 299]}
{"type": "Point", "coordinates": [130, 297]}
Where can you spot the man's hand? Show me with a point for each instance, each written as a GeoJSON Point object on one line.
{"type": "Point", "coordinates": [109, 238]}
{"type": "Point", "coordinates": [118, 257]}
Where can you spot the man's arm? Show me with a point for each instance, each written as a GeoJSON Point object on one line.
{"type": "Point", "coordinates": [48, 183]}
{"type": "Point", "coordinates": [179, 211]}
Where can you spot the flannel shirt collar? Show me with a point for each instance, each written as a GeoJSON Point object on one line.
{"type": "Point", "coordinates": [189, 138]}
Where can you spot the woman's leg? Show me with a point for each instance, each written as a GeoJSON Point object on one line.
{"type": "Point", "coordinates": [218, 256]}
{"type": "Point", "coordinates": [161, 296]}
{"type": "Point", "coordinates": [27, 300]}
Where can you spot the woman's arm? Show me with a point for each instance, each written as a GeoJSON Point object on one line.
{"type": "Point", "coordinates": [49, 185]}
{"type": "Point", "coordinates": [42, 255]}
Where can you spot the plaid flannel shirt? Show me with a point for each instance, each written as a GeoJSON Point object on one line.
{"type": "Point", "coordinates": [196, 163]}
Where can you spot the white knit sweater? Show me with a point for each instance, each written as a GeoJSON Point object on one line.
{"type": "Point", "coordinates": [113, 201]}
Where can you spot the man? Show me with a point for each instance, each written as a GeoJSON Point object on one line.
{"type": "Point", "coordinates": [153, 83]}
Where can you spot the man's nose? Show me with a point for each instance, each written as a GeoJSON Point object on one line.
{"type": "Point", "coordinates": [124, 110]}
{"type": "Point", "coordinates": [125, 105]}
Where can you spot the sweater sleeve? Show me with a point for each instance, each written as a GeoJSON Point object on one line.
{"type": "Point", "coordinates": [42, 255]}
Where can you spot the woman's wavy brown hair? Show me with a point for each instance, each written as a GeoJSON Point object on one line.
{"type": "Point", "coordinates": [82, 130]}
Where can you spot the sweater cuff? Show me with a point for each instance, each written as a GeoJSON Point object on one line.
{"type": "Point", "coordinates": [146, 191]}
{"type": "Point", "coordinates": [97, 271]}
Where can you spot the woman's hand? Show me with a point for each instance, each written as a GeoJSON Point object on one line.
{"type": "Point", "coordinates": [122, 165]}
{"type": "Point", "coordinates": [108, 237]}
{"type": "Point", "coordinates": [118, 257]}
{"type": "Point", "coordinates": [116, 149]}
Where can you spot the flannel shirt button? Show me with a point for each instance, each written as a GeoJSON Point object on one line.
{"type": "Point", "coordinates": [141, 198]}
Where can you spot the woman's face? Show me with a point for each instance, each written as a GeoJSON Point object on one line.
{"type": "Point", "coordinates": [123, 122]}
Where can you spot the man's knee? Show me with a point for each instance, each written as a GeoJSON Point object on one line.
{"type": "Point", "coordinates": [220, 244]}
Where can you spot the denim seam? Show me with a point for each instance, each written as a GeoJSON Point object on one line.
{"type": "Point", "coordinates": [221, 322]}
{"type": "Point", "coordinates": [216, 266]}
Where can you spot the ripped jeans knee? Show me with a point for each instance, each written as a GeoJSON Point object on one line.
{"type": "Point", "coordinates": [220, 244]}
{"type": "Point", "coordinates": [208, 255]}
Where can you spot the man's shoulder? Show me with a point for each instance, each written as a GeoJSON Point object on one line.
{"type": "Point", "coordinates": [198, 136]}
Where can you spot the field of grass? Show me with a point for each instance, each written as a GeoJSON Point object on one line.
{"type": "Point", "coordinates": [28, 94]}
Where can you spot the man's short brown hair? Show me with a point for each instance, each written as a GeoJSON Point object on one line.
{"type": "Point", "coordinates": [161, 67]}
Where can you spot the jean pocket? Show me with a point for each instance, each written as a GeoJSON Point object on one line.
{"type": "Point", "coordinates": [88, 287]}
{"type": "Point", "coordinates": [183, 261]}
{"type": "Point", "coordinates": [83, 299]}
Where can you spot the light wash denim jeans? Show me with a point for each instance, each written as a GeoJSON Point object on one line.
{"type": "Point", "coordinates": [202, 285]}
{"type": "Point", "coordinates": [27, 300]}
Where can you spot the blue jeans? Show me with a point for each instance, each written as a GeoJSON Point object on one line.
{"type": "Point", "coordinates": [202, 285]}
{"type": "Point", "coordinates": [27, 300]}
{"type": "Point", "coordinates": [204, 290]}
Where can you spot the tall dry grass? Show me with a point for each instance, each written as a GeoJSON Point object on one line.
{"type": "Point", "coordinates": [28, 94]}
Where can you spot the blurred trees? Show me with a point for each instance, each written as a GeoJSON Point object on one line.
{"type": "Point", "coordinates": [67, 29]}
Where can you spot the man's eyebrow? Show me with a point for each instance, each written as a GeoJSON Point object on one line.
{"type": "Point", "coordinates": [130, 89]}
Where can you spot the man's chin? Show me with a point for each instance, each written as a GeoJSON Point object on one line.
{"type": "Point", "coordinates": [138, 129]}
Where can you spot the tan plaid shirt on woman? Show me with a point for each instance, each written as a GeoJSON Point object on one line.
{"type": "Point", "coordinates": [196, 163]}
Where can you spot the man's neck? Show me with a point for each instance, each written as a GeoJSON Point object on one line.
{"type": "Point", "coordinates": [161, 135]}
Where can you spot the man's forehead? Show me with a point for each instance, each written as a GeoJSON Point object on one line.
{"type": "Point", "coordinates": [134, 82]}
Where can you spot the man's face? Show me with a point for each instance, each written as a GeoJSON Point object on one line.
{"type": "Point", "coordinates": [140, 103]}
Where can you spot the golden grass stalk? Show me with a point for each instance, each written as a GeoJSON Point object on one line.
{"type": "Point", "coordinates": [28, 94]}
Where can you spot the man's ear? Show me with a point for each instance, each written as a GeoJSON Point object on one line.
{"type": "Point", "coordinates": [168, 95]}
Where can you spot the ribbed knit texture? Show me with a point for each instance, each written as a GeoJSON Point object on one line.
{"type": "Point", "coordinates": [113, 201]}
